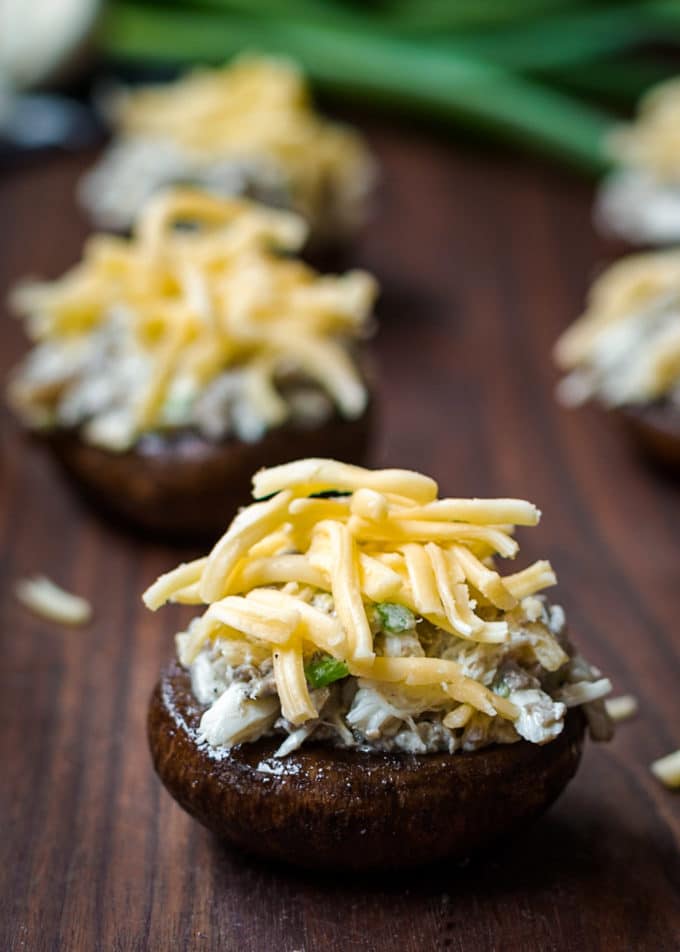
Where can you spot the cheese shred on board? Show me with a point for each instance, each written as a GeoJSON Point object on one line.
{"type": "Point", "coordinates": [353, 606]}
{"type": "Point", "coordinates": [625, 349]}
{"type": "Point", "coordinates": [248, 128]}
{"type": "Point", "coordinates": [41, 596]}
{"type": "Point", "coordinates": [202, 319]}
{"type": "Point", "coordinates": [667, 770]}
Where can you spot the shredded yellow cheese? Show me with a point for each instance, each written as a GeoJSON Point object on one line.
{"type": "Point", "coordinates": [257, 112]}
{"type": "Point", "coordinates": [50, 601]}
{"type": "Point", "coordinates": [202, 300]}
{"type": "Point", "coordinates": [667, 769]}
{"type": "Point", "coordinates": [459, 716]}
{"type": "Point", "coordinates": [259, 580]}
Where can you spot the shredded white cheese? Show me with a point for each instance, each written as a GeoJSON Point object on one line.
{"type": "Point", "coordinates": [622, 707]}
{"type": "Point", "coordinates": [48, 600]}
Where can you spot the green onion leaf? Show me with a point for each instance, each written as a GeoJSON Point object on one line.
{"type": "Point", "coordinates": [439, 81]}
{"type": "Point", "coordinates": [395, 618]}
{"type": "Point", "coordinates": [323, 670]}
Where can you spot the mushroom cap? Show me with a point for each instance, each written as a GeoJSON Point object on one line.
{"type": "Point", "coordinates": [328, 807]}
{"type": "Point", "coordinates": [656, 428]}
{"type": "Point", "coordinates": [184, 485]}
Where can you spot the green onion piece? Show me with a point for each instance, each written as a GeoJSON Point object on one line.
{"type": "Point", "coordinates": [500, 687]}
{"type": "Point", "coordinates": [395, 618]}
{"type": "Point", "coordinates": [323, 670]}
{"type": "Point", "coordinates": [329, 494]}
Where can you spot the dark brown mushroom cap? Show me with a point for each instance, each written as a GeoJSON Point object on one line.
{"type": "Point", "coordinates": [345, 809]}
{"type": "Point", "coordinates": [185, 485]}
{"type": "Point", "coordinates": [656, 428]}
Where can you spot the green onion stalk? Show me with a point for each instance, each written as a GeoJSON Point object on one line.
{"type": "Point", "coordinates": [517, 80]}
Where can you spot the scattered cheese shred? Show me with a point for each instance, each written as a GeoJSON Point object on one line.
{"type": "Point", "coordinates": [260, 580]}
{"type": "Point", "coordinates": [48, 600]}
{"type": "Point", "coordinates": [622, 707]}
{"type": "Point", "coordinates": [667, 770]}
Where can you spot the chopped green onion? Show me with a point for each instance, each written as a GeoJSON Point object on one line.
{"type": "Point", "coordinates": [267, 497]}
{"type": "Point", "coordinates": [329, 494]}
{"type": "Point", "coordinates": [323, 670]}
{"type": "Point", "coordinates": [501, 687]}
{"type": "Point", "coordinates": [395, 618]}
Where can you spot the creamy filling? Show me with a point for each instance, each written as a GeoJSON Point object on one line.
{"type": "Point", "coordinates": [136, 167]}
{"type": "Point", "coordinates": [95, 383]}
{"type": "Point", "coordinates": [133, 169]}
{"type": "Point", "coordinates": [636, 205]}
{"type": "Point", "coordinates": [529, 669]}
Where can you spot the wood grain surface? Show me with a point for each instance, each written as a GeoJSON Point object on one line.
{"type": "Point", "coordinates": [482, 260]}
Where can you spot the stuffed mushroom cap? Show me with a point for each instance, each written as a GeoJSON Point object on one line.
{"type": "Point", "coordinates": [356, 635]}
{"type": "Point", "coordinates": [166, 367]}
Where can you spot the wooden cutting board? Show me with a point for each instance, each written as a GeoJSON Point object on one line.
{"type": "Point", "coordinates": [483, 260]}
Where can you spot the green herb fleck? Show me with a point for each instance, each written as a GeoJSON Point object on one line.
{"type": "Point", "coordinates": [395, 618]}
{"type": "Point", "coordinates": [329, 494]}
{"type": "Point", "coordinates": [323, 670]}
{"type": "Point", "coordinates": [500, 687]}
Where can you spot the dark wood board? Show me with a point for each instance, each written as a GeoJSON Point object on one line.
{"type": "Point", "coordinates": [483, 259]}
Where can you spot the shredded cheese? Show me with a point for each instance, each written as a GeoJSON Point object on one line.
{"type": "Point", "coordinates": [192, 304]}
{"type": "Point", "coordinates": [459, 716]}
{"type": "Point", "coordinates": [296, 704]}
{"type": "Point", "coordinates": [307, 476]}
{"type": "Point", "coordinates": [622, 707]}
{"type": "Point", "coordinates": [667, 769]}
{"type": "Point", "coordinates": [48, 600]}
{"type": "Point", "coordinates": [259, 581]}
{"type": "Point", "coordinates": [253, 117]}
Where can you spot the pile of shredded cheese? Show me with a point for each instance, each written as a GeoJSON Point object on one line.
{"type": "Point", "coordinates": [383, 535]}
{"type": "Point", "coordinates": [194, 302]}
{"type": "Point", "coordinates": [255, 113]}
{"type": "Point", "coordinates": [625, 349]}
